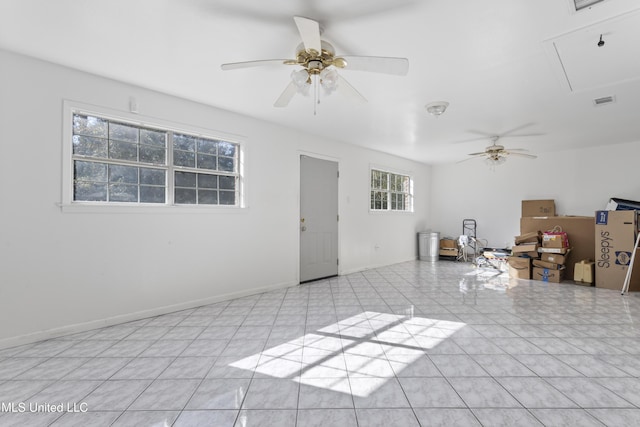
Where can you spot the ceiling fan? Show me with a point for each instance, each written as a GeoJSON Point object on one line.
{"type": "Point", "coordinates": [496, 154]}
{"type": "Point", "coordinates": [319, 65]}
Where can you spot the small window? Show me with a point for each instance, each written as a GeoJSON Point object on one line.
{"type": "Point", "coordinates": [116, 162]}
{"type": "Point", "coordinates": [391, 191]}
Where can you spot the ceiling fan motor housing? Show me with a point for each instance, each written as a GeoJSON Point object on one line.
{"type": "Point", "coordinates": [314, 61]}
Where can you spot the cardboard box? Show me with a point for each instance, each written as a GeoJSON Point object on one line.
{"type": "Point", "coordinates": [533, 237]}
{"type": "Point", "coordinates": [547, 275]}
{"type": "Point", "coordinates": [547, 264]}
{"type": "Point", "coordinates": [526, 247]}
{"type": "Point", "coordinates": [555, 258]}
{"type": "Point", "coordinates": [581, 231]}
{"type": "Point", "coordinates": [533, 208]}
{"type": "Point", "coordinates": [555, 240]}
{"type": "Point", "coordinates": [584, 272]}
{"type": "Point", "coordinates": [450, 252]}
{"type": "Point", "coordinates": [561, 251]}
{"type": "Point", "coordinates": [615, 234]}
{"type": "Point", "coordinates": [617, 204]}
{"type": "Point", "coordinates": [448, 244]}
{"type": "Point", "coordinates": [519, 268]}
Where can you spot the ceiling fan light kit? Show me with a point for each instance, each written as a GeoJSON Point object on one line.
{"type": "Point", "coordinates": [319, 66]}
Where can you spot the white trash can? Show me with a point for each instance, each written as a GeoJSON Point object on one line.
{"type": "Point", "coordinates": [428, 245]}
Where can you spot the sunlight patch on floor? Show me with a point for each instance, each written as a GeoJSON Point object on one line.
{"type": "Point", "coordinates": [360, 346]}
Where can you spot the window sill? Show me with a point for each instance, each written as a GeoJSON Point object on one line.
{"type": "Point", "coordinates": [381, 212]}
{"type": "Point", "coordinates": [149, 209]}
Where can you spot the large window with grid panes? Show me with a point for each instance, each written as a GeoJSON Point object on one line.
{"type": "Point", "coordinates": [117, 162]}
{"type": "Point", "coordinates": [391, 191]}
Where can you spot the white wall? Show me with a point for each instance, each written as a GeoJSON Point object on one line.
{"type": "Point", "coordinates": [580, 182]}
{"type": "Point", "coordinates": [63, 272]}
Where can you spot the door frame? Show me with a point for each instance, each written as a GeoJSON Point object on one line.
{"type": "Point", "coordinates": [318, 156]}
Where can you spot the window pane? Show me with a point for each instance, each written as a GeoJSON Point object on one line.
{"type": "Point", "coordinates": [377, 200]}
{"type": "Point", "coordinates": [207, 146]}
{"type": "Point", "coordinates": [228, 182]}
{"type": "Point", "coordinates": [401, 202]}
{"type": "Point", "coordinates": [185, 196]}
{"type": "Point", "coordinates": [89, 146]}
{"type": "Point", "coordinates": [207, 197]}
{"type": "Point", "coordinates": [184, 142]}
{"type": "Point", "coordinates": [226, 149]}
{"type": "Point", "coordinates": [156, 138]}
{"type": "Point", "coordinates": [393, 201]}
{"type": "Point", "coordinates": [123, 193]}
{"type": "Point", "coordinates": [207, 181]}
{"type": "Point", "coordinates": [90, 126]}
{"type": "Point", "coordinates": [152, 176]}
{"type": "Point", "coordinates": [185, 179]}
{"type": "Point", "coordinates": [225, 164]}
{"type": "Point", "coordinates": [206, 162]}
{"type": "Point", "coordinates": [123, 151]}
{"type": "Point", "coordinates": [184, 158]}
{"type": "Point", "coordinates": [90, 191]}
{"type": "Point", "coordinates": [123, 174]}
{"type": "Point", "coordinates": [149, 154]}
{"type": "Point", "coordinates": [90, 171]}
{"type": "Point", "coordinates": [377, 179]}
{"type": "Point", "coordinates": [122, 132]}
{"type": "Point", "coordinates": [227, 197]}
{"type": "Point", "coordinates": [152, 194]}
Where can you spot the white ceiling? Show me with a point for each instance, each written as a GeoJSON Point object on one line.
{"type": "Point", "coordinates": [499, 63]}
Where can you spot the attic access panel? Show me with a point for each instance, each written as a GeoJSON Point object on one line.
{"type": "Point", "coordinates": [578, 5]}
{"type": "Point", "coordinates": [581, 64]}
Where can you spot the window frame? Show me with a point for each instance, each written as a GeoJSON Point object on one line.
{"type": "Point", "coordinates": [68, 204]}
{"type": "Point", "coordinates": [391, 172]}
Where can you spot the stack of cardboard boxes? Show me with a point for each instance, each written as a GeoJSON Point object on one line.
{"type": "Point", "coordinates": [522, 253]}
{"type": "Point", "coordinates": [601, 252]}
{"type": "Point", "coordinates": [448, 248]}
{"type": "Point", "coordinates": [553, 256]}
{"type": "Point", "coordinates": [528, 242]}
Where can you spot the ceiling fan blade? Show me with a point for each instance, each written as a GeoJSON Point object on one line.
{"type": "Point", "coordinates": [309, 32]}
{"type": "Point", "coordinates": [286, 95]}
{"type": "Point", "coordinates": [249, 64]}
{"type": "Point", "coordinates": [377, 64]}
{"type": "Point", "coordinates": [345, 88]}
{"type": "Point", "coordinates": [485, 134]}
{"type": "Point", "coordinates": [516, 129]}
{"type": "Point", "coordinates": [467, 159]}
{"type": "Point", "coordinates": [528, 156]}
{"type": "Point", "coordinates": [482, 153]}
{"type": "Point", "coordinates": [517, 149]}
{"type": "Point", "coordinates": [519, 135]}
{"type": "Point", "coordinates": [470, 140]}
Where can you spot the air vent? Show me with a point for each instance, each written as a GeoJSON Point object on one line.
{"type": "Point", "coordinates": [604, 100]}
{"type": "Point", "coordinates": [584, 4]}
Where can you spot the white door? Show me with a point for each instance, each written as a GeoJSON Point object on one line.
{"type": "Point", "coordinates": [318, 218]}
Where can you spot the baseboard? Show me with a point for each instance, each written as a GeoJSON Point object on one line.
{"type": "Point", "coordinates": [129, 317]}
{"type": "Point", "coordinates": [371, 267]}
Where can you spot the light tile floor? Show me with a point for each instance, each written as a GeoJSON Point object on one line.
{"type": "Point", "coordinates": [413, 344]}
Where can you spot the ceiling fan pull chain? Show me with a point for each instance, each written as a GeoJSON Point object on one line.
{"type": "Point", "coordinates": [316, 95]}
